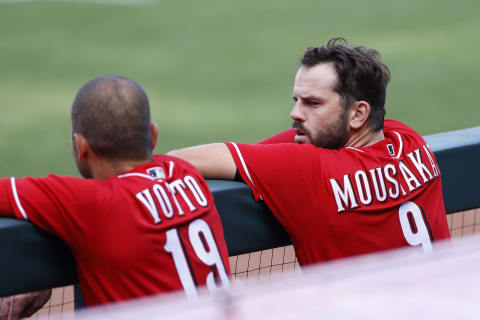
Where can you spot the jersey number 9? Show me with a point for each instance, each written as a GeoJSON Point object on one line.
{"type": "Point", "coordinates": [415, 227]}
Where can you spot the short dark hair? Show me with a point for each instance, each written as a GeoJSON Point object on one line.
{"type": "Point", "coordinates": [360, 72]}
{"type": "Point", "coordinates": [113, 114]}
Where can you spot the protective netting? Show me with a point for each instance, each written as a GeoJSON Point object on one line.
{"type": "Point", "coordinates": [257, 266]}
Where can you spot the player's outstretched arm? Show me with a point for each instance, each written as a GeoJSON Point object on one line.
{"type": "Point", "coordinates": [214, 161]}
{"type": "Point", "coordinates": [23, 305]}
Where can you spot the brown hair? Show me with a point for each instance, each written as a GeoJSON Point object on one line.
{"type": "Point", "coordinates": [360, 72]}
{"type": "Point", "coordinates": [113, 114]}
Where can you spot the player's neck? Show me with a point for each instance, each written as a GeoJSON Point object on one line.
{"type": "Point", "coordinates": [106, 169]}
{"type": "Point", "coordinates": [364, 138]}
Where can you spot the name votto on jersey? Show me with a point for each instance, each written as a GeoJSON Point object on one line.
{"type": "Point", "coordinates": [387, 182]}
{"type": "Point", "coordinates": [174, 202]}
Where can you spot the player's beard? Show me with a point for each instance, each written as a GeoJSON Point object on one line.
{"type": "Point", "coordinates": [330, 136]}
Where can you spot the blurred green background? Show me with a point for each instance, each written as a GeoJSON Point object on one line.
{"type": "Point", "coordinates": [220, 70]}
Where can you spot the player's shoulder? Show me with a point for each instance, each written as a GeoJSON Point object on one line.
{"type": "Point", "coordinates": [390, 125]}
{"type": "Point", "coordinates": [63, 180]}
{"type": "Point", "coordinates": [170, 161]}
{"type": "Point", "coordinates": [60, 185]}
{"type": "Point", "coordinates": [402, 136]}
{"type": "Point", "coordinates": [307, 154]}
{"type": "Point", "coordinates": [283, 150]}
{"type": "Point", "coordinates": [281, 137]}
{"type": "Point", "coordinates": [394, 127]}
{"type": "Point", "coordinates": [165, 158]}
{"type": "Point", "coordinates": [293, 153]}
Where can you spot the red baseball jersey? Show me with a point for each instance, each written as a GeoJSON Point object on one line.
{"type": "Point", "coordinates": [151, 230]}
{"type": "Point", "coordinates": [340, 203]}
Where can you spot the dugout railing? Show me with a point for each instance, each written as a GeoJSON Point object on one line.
{"type": "Point", "coordinates": [33, 260]}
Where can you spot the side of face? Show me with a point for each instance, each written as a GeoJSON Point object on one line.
{"type": "Point", "coordinates": [78, 148]}
{"type": "Point", "coordinates": [318, 114]}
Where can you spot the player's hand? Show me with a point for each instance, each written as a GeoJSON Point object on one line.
{"type": "Point", "coordinates": [23, 305]}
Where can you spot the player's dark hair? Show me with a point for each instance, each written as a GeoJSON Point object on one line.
{"type": "Point", "coordinates": [360, 72]}
{"type": "Point", "coordinates": [113, 114]}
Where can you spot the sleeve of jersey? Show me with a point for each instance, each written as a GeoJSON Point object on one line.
{"type": "Point", "coordinates": [261, 166]}
{"type": "Point", "coordinates": [59, 205]}
{"type": "Point", "coordinates": [287, 136]}
{"type": "Point", "coordinates": [6, 209]}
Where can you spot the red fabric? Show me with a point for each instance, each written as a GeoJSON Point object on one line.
{"type": "Point", "coordinates": [5, 207]}
{"type": "Point", "coordinates": [298, 184]}
{"type": "Point", "coordinates": [282, 137]}
{"type": "Point", "coordinates": [119, 249]}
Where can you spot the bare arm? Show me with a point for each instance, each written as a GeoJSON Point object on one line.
{"type": "Point", "coordinates": [23, 305]}
{"type": "Point", "coordinates": [214, 161]}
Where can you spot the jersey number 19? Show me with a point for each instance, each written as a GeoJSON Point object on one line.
{"type": "Point", "coordinates": [205, 248]}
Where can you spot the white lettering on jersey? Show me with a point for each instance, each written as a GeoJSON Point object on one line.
{"type": "Point", "coordinates": [377, 178]}
{"type": "Point", "coordinates": [416, 159]}
{"type": "Point", "coordinates": [432, 162]}
{"type": "Point", "coordinates": [196, 190]}
{"type": "Point", "coordinates": [163, 200]}
{"type": "Point", "coordinates": [172, 192]}
{"type": "Point", "coordinates": [409, 176]}
{"type": "Point", "coordinates": [386, 180]}
{"type": "Point", "coordinates": [186, 189]}
{"type": "Point", "coordinates": [146, 198]}
{"type": "Point", "coordinates": [363, 187]}
{"type": "Point", "coordinates": [390, 177]}
{"type": "Point", "coordinates": [179, 186]}
{"type": "Point", "coordinates": [344, 197]}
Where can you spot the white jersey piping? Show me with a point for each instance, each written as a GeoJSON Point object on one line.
{"type": "Point", "coordinates": [246, 169]}
{"type": "Point", "coordinates": [17, 199]}
{"type": "Point", "coordinates": [400, 148]}
{"type": "Point", "coordinates": [142, 175]}
{"type": "Point", "coordinates": [170, 169]}
{"type": "Point", "coordinates": [355, 149]}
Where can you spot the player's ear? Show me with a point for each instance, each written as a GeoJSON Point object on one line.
{"type": "Point", "coordinates": [358, 114]}
{"type": "Point", "coordinates": [154, 131]}
{"type": "Point", "coordinates": [81, 147]}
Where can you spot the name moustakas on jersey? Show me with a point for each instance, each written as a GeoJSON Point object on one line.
{"type": "Point", "coordinates": [388, 181]}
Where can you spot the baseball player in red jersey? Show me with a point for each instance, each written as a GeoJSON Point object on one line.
{"type": "Point", "coordinates": [140, 224]}
{"type": "Point", "coordinates": [353, 183]}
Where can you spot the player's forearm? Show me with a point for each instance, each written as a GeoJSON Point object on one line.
{"type": "Point", "coordinates": [214, 161]}
{"type": "Point", "coordinates": [23, 305]}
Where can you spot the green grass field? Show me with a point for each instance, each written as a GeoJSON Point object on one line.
{"type": "Point", "coordinates": [221, 70]}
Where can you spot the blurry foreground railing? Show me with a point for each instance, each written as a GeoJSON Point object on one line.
{"type": "Point", "coordinates": [33, 260]}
